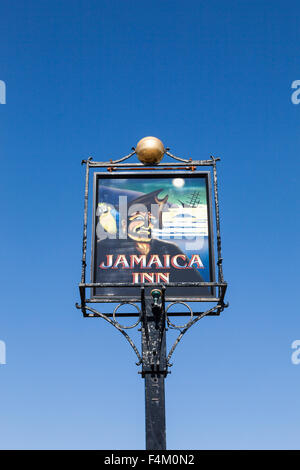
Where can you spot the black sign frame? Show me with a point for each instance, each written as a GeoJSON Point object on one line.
{"type": "Point", "coordinates": [184, 289]}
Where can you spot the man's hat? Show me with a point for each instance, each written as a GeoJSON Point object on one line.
{"type": "Point", "coordinates": [150, 198]}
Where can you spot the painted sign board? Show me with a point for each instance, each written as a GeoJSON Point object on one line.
{"type": "Point", "coordinates": [152, 228]}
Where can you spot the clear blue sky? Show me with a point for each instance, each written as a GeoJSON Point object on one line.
{"type": "Point", "coordinates": [92, 78]}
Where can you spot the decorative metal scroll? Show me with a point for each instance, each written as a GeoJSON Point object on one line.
{"type": "Point", "coordinates": [114, 323]}
{"type": "Point", "coordinates": [183, 329]}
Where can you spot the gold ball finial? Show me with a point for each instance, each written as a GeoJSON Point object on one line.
{"type": "Point", "coordinates": [150, 150]}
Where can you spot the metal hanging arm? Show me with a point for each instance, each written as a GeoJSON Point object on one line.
{"type": "Point", "coordinates": [95, 313]}
{"type": "Point", "coordinates": [118, 165]}
{"type": "Point", "coordinates": [186, 328]}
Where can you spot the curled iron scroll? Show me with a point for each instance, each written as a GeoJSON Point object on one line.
{"type": "Point", "coordinates": [178, 327]}
{"type": "Point", "coordinates": [130, 326]}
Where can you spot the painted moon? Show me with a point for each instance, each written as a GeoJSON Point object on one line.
{"type": "Point", "coordinates": [178, 182]}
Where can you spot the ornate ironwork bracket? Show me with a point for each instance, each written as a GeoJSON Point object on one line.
{"type": "Point", "coordinates": [152, 359]}
{"type": "Point", "coordinates": [183, 163]}
{"type": "Point", "coordinates": [94, 313]}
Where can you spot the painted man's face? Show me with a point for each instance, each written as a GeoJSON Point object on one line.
{"type": "Point", "coordinates": [140, 225]}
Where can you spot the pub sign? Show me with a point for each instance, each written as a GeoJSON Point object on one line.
{"type": "Point", "coordinates": [152, 228]}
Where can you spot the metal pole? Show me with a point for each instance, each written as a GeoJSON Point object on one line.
{"type": "Point", "coordinates": [154, 372]}
{"type": "Point", "coordinates": [84, 237]}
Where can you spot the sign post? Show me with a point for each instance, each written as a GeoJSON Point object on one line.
{"type": "Point", "coordinates": [153, 244]}
{"type": "Point", "coordinates": [154, 372]}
